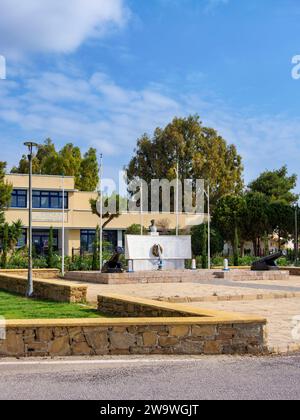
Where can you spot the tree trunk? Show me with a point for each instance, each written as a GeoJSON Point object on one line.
{"type": "Point", "coordinates": [242, 249]}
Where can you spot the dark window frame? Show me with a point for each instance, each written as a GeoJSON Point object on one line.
{"type": "Point", "coordinates": [17, 196]}
{"type": "Point", "coordinates": [45, 200]}
{"type": "Point", "coordinates": [87, 245]}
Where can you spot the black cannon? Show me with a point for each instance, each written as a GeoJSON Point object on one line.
{"type": "Point", "coordinates": [114, 265]}
{"type": "Point", "coordinates": [267, 263]}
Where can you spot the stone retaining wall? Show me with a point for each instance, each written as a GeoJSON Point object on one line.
{"type": "Point", "coordinates": [142, 277]}
{"type": "Point", "coordinates": [245, 275]}
{"type": "Point", "coordinates": [55, 290]}
{"type": "Point", "coordinates": [294, 271]}
{"type": "Point", "coordinates": [38, 273]}
{"type": "Point", "coordinates": [163, 336]}
{"type": "Point", "coordinates": [136, 308]}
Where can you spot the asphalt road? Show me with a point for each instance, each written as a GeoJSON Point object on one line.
{"type": "Point", "coordinates": [152, 379]}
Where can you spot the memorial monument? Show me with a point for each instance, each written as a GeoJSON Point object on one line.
{"type": "Point", "coordinates": [153, 252]}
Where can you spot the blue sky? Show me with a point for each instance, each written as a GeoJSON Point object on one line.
{"type": "Point", "coordinates": [102, 72]}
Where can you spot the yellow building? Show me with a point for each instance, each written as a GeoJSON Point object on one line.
{"type": "Point", "coordinates": [80, 224]}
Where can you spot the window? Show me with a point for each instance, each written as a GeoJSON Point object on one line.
{"type": "Point", "coordinates": [19, 199]}
{"type": "Point", "coordinates": [40, 240]}
{"type": "Point", "coordinates": [49, 200]}
{"type": "Point", "coordinates": [87, 239]}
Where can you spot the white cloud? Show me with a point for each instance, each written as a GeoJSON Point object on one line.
{"type": "Point", "coordinates": [99, 112]}
{"type": "Point", "coordinates": [55, 25]}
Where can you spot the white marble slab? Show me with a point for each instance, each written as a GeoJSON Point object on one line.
{"type": "Point", "coordinates": [174, 247]}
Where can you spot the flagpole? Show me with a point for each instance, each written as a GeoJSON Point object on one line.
{"type": "Point", "coordinates": [177, 201]}
{"type": "Point", "coordinates": [142, 218]}
{"type": "Point", "coordinates": [101, 213]}
{"type": "Point", "coordinates": [209, 241]}
{"type": "Point", "coordinates": [63, 227]}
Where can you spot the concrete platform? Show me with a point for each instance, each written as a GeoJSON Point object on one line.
{"type": "Point", "coordinates": [143, 277]}
{"type": "Point", "coordinates": [248, 275]}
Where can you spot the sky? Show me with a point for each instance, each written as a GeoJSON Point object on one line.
{"type": "Point", "coordinates": [101, 73]}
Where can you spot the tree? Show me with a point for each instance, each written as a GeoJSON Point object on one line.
{"type": "Point", "coordinates": [229, 215]}
{"type": "Point", "coordinates": [202, 154]}
{"type": "Point", "coordinates": [135, 230]}
{"type": "Point", "coordinates": [5, 192]}
{"type": "Point", "coordinates": [96, 251]}
{"type": "Point", "coordinates": [89, 171]}
{"type": "Point", "coordinates": [255, 223]}
{"type": "Point", "coordinates": [9, 236]}
{"type": "Point", "coordinates": [282, 221]}
{"type": "Point", "coordinates": [68, 162]}
{"type": "Point", "coordinates": [4, 242]}
{"type": "Point", "coordinates": [198, 242]}
{"type": "Point", "coordinates": [277, 186]}
{"type": "Point", "coordinates": [204, 248]}
{"type": "Point", "coordinates": [50, 255]}
{"type": "Point", "coordinates": [107, 216]}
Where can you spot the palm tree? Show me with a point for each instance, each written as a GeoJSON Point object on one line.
{"type": "Point", "coordinates": [9, 236]}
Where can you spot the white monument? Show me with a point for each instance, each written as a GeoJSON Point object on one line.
{"type": "Point", "coordinates": [154, 252]}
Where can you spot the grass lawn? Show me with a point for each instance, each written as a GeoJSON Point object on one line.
{"type": "Point", "coordinates": [18, 307]}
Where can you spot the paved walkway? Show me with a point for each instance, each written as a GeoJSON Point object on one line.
{"type": "Point", "coordinates": [278, 301]}
{"type": "Point", "coordinates": [280, 314]}
{"type": "Point", "coordinates": [210, 290]}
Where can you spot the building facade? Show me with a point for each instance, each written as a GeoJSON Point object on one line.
{"type": "Point", "coordinates": [79, 221]}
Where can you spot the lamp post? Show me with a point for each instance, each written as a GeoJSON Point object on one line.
{"type": "Point", "coordinates": [31, 145]}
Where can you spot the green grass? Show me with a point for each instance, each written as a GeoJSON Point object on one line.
{"type": "Point", "coordinates": [18, 307]}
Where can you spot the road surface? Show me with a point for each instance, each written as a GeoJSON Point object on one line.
{"type": "Point", "coordinates": [152, 379]}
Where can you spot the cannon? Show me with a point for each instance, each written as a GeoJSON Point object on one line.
{"type": "Point", "coordinates": [114, 265]}
{"type": "Point", "coordinates": [267, 263]}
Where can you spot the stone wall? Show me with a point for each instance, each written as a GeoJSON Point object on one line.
{"type": "Point", "coordinates": [137, 308]}
{"type": "Point", "coordinates": [294, 271]}
{"type": "Point", "coordinates": [38, 273]}
{"type": "Point", "coordinates": [55, 290]}
{"type": "Point", "coordinates": [143, 277]}
{"type": "Point", "coordinates": [117, 337]}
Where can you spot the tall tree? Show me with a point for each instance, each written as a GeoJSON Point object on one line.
{"type": "Point", "coordinates": [89, 171]}
{"type": "Point", "coordinates": [68, 161]}
{"type": "Point", "coordinates": [198, 240]}
{"type": "Point", "coordinates": [228, 217]}
{"type": "Point", "coordinates": [277, 186]}
{"type": "Point", "coordinates": [202, 154]}
{"type": "Point", "coordinates": [256, 221]}
{"type": "Point", "coordinates": [50, 254]}
{"type": "Point", "coordinates": [282, 221]}
{"type": "Point", "coordinates": [5, 191]}
{"type": "Point", "coordinates": [9, 236]}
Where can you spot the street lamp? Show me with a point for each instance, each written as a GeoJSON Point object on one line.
{"type": "Point", "coordinates": [31, 145]}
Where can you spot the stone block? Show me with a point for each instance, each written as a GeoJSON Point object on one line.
{"type": "Point", "coordinates": [179, 331]}
{"type": "Point", "coordinates": [149, 339]}
{"type": "Point", "coordinates": [168, 341]}
{"type": "Point", "coordinates": [213, 347]}
{"type": "Point", "coordinates": [204, 330]}
{"type": "Point", "coordinates": [121, 341]}
{"type": "Point", "coordinates": [81, 349]}
{"type": "Point", "coordinates": [60, 346]}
